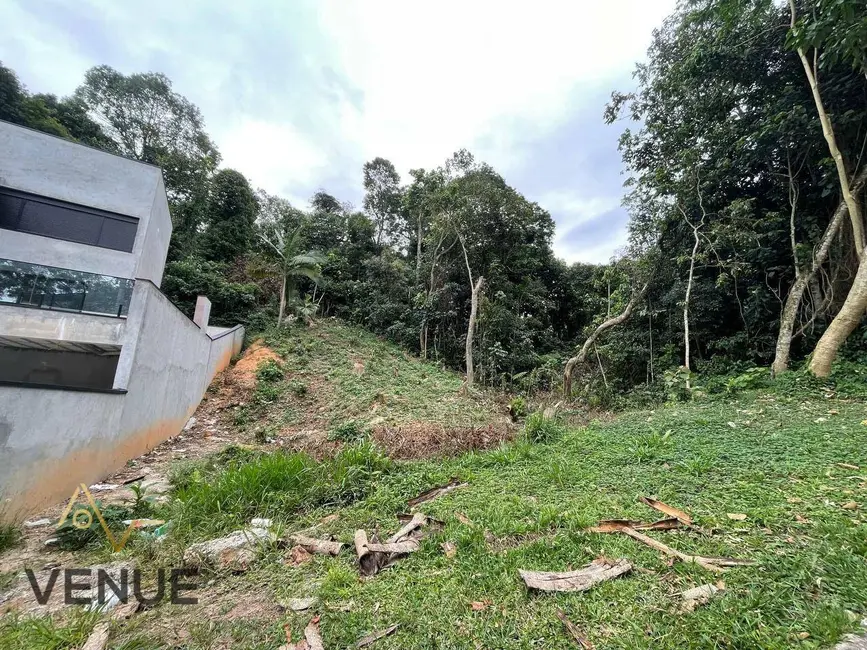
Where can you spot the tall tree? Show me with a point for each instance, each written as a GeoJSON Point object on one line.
{"type": "Point", "coordinates": [382, 200]}
{"type": "Point", "coordinates": [231, 217]}
{"type": "Point", "coordinates": [149, 121]}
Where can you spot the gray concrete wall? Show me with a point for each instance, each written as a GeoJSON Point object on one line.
{"type": "Point", "coordinates": [156, 243]}
{"type": "Point", "coordinates": [58, 325]}
{"type": "Point", "coordinates": [225, 344]}
{"type": "Point", "coordinates": [57, 367]}
{"type": "Point", "coordinates": [51, 440]}
{"type": "Point", "coordinates": [56, 168]}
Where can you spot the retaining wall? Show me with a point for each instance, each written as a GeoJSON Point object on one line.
{"type": "Point", "coordinates": [51, 440]}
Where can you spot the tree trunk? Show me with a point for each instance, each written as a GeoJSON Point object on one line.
{"type": "Point", "coordinates": [686, 299]}
{"type": "Point", "coordinates": [608, 324]}
{"type": "Point", "coordinates": [828, 131]}
{"type": "Point", "coordinates": [282, 303]}
{"type": "Point", "coordinates": [418, 251]}
{"type": "Point", "coordinates": [471, 327]}
{"type": "Point", "coordinates": [843, 324]}
{"type": "Point", "coordinates": [803, 279]}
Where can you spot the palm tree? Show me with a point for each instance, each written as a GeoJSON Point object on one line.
{"type": "Point", "coordinates": [286, 260]}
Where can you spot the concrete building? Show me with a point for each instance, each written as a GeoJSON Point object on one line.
{"type": "Point", "coordinates": [97, 366]}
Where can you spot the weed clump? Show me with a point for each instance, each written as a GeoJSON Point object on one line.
{"type": "Point", "coordinates": [212, 498]}
{"type": "Point", "coordinates": [269, 372]}
{"type": "Point", "coordinates": [541, 429]}
{"type": "Point", "coordinates": [349, 431]}
{"type": "Point", "coordinates": [10, 536]}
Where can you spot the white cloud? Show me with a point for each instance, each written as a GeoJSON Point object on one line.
{"type": "Point", "coordinates": [297, 95]}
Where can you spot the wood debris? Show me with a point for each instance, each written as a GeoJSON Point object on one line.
{"type": "Point", "coordinates": [714, 564]}
{"type": "Point", "coordinates": [400, 548]}
{"type": "Point", "coordinates": [98, 638]}
{"type": "Point", "coordinates": [375, 636]}
{"type": "Point", "coordinates": [298, 556]}
{"type": "Point", "coordinates": [671, 511]}
{"type": "Point", "coordinates": [374, 556]}
{"type": "Point", "coordinates": [848, 466]}
{"type": "Point", "coordinates": [433, 493]}
{"type": "Point", "coordinates": [316, 546]}
{"type": "Point", "coordinates": [614, 525]}
{"type": "Point", "coordinates": [311, 635]}
{"type": "Point", "coordinates": [581, 580]}
{"type": "Point", "coordinates": [577, 634]}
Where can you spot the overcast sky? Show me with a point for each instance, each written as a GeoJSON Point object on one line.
{"type": "Point", "coordinates": [298, 94]}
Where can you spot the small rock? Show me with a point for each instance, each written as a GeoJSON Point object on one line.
{"type": "Point", "coordinates": [235, 551]}
{"type": "Point", "coordinates": [190, 424]}
{"type": "Point", "coordinates": [300, 604]}
{"type": "Point", "coordinates": [103, 487]}
{"type": "Point", "coordinates": [697, 596]}
{"type": "Point", "coordinates": [38, 523]}
{"type": "Point", "coordinates": [51, 541]}
{"type": "Point", "coordinates": [851, 505]}
{"type": "Point", "coordinates": [260, 522]}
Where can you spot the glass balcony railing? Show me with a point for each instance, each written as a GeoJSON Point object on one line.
{"type": "Point", "coordinates": [47, 287]}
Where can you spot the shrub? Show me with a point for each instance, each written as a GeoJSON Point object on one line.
{"type": "Point", "coordinates": [269, 371]}
{"type": "Point", "coordinates": [298, 388]}
{"type": "Point", "coordinates": [539, 428]}
{"type": "Point", "coordinates": [349, 431]}
{"type": "Point", "coordinates": [749, 380]}
{"type": "Point", "coordinates": [518, 407]}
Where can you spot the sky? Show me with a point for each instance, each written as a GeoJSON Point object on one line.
{"type": "Point", "coordinates": [298, 94]}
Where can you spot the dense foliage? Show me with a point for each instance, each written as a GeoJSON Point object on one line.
{"type": "Point", "coordinates": [737, 196]}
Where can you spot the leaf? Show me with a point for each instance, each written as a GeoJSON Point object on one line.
{"type": "Point", "coordinates": [736, 516]}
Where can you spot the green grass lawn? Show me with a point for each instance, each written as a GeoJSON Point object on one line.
{"type": "Point", "coordinates": [770, 457]}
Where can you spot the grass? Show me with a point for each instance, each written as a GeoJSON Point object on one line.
{"type": "Point", "coordinates": [784, 458]}
{"type": "Point", "coordinates": [772, 458]}
{"type": "Point", "coordinates": [339, 373]}
{"type": "Point", "coordinates": [10, 536]}
{"type": "Point", "coordinates": [223, 494]}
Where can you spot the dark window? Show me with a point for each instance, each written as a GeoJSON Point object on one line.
{"type": "Point", "coordinates": [41, 216]}
{"type": "Point", "coordinates": [47, 287]}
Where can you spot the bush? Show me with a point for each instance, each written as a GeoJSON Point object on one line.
{"type": "Point", "coordinates": [269, 371]}
{"type": "Point", "coordinates": [298, 388]}
{"type": "Point", "coordinates": [518, 407]}
{"type": "Point", "coordinates": [539, 428]}
{"type": "Point", "coordinates": [749, 380]}
{"type": "Point", "coordinates": [349, 431]}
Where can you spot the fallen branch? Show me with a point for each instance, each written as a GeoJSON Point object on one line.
{"type": "Point", "coordinates": [433, 493]}
{"type": "Point", "coordinates": [616, 525]}
{"type": "Point", "coordinates": [418, 520]}
{"type": "Point", "coordinates": [375, 636]}
{"type": "Point", "coordinates": [579, 637]}
{"type": "Point", "coordinates": [312, 636]}
{"type": "Point", "coordinates": [316, 546]}
{"type": "Point", "coordinates": [703, 562]}
{"type": "Point", "coordinates": [581, 580]}
{"type": "Point", "coordinates": [98, 638]}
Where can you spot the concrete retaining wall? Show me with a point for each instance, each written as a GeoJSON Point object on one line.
{"type": "Point", "coordinates": [52, 440]}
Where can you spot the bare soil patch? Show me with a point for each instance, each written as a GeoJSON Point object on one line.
{"type": "Point", "coordinates": [435, 440]}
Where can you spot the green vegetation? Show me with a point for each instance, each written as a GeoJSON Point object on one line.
{"type": "Point", "coordinates": [223, 494]}
{"type": "Point", "coordinates": [540, 428]}
{"type": "Point", "coordinates": [337, 374]}
{"type": "Point", "coordinates": [10, 536]}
